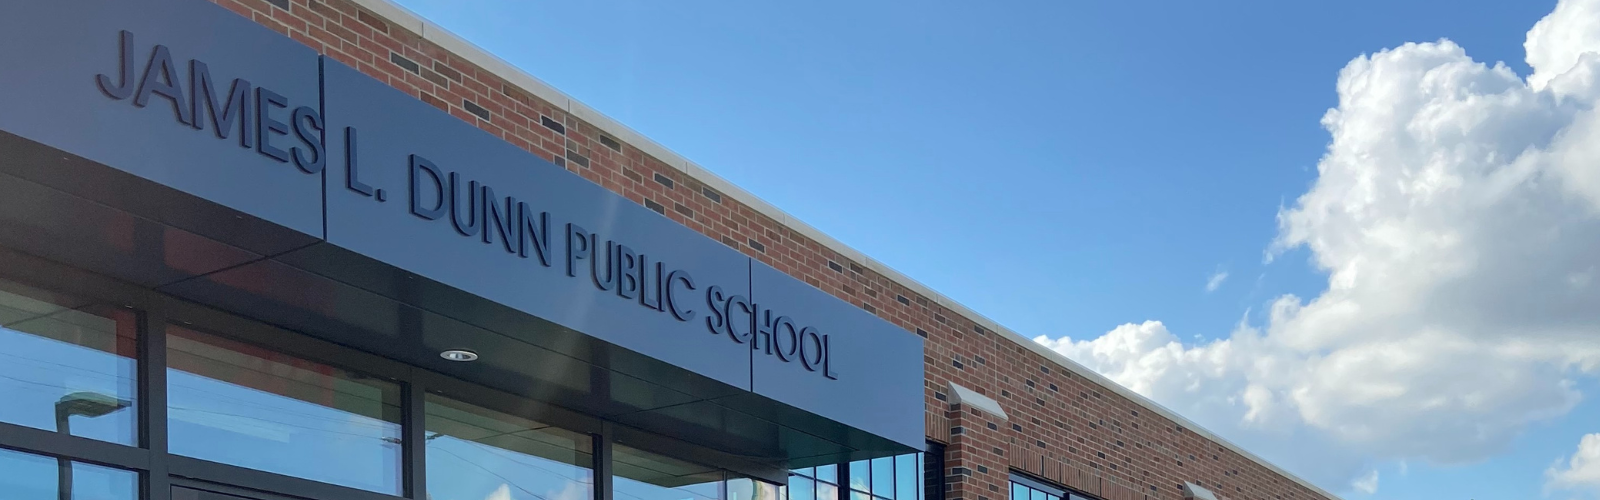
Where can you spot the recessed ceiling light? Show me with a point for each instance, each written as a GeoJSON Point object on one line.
{"type": "Point", "coordinates": [461, 355]}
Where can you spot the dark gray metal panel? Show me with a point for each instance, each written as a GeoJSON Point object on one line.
{"type": "Point", "coordinates": [49, 223]}
{"type": "Point", "coordinates": [878, 365]}
{"type": "Point", "coordinates": [99, 235]}
{"type": "Point", "coordinates": [392, 127]}
{"type": "Point", "coordinates": [53, 51]}
{"type": "Point", "coordinates": [282, 294]}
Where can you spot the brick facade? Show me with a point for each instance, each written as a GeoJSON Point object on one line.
{"type": "Point", "coordinates": [1061, 427]}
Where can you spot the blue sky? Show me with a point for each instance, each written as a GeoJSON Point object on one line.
{"type": "Point", "coordinates": [1062, 167]}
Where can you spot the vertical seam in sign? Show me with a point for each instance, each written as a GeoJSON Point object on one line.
{"type": "Point", "coordinates": [750, 288]}
{"type": "Point", "coordinates": [322, 107]}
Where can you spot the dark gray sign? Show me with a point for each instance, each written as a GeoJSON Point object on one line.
{"type": "Point", "coordinates": [455, 204]}
{"type": "Point", "coordinates": [188, 95]}
{"type": "Point", "coordinates": [146, 87]}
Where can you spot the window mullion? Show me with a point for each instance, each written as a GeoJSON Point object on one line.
{"type": "Point", "coordinates": [152, 391]}
{"type": "Point", "coordinates": [414, 445]}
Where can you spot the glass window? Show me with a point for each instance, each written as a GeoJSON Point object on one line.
{"type": "Point", "coordinates": [1027, 489]}
{"type": "Point", "coordinates": [67, 366]}
{"type": "Point", "coordinates": [476, 453]}
{"type": "Point", "coordinates": [641, 475]}
{"type": "Point", "coordinates": [31, 477]}
{"type": "Point", "coordinates": [802, 488]}
{"type": "Point", "coordinates": [861, 476]}
{"type": "Point", "coordinates": [883, 477]}
{"type": "Point", "coordinates": [769, 491]}
{"type": "Point", "coordinates": [241, 405]}
{"type": "Point", "coordinates": [750, 489]}
{"type": "Point", "coordinates": [826, 491]}
{"type": "Point", "coordinates": [828, 473]}
{"type": "Point", "coordinates": [905, 477]}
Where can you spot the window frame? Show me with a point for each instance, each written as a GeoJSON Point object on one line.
{"type": "Point", "coordinates": [159, 470]}
{"type": "Point", "coordinates": [1034, 483]}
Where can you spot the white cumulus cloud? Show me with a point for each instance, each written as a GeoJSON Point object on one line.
{"type": "Point", "coordinates": [1456, 213]}
{"type": "Point", "coordinates": [1579, 472]}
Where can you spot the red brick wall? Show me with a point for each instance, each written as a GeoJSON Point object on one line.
{"type": "Point", "coordinates": [1062, 427]}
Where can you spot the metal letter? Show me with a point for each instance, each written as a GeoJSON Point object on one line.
{"type": "Point", "coordinates": [308, 127]}
{"type": "Point", "coordinates": [418, 165]}
{"type": "Point", "coordinates": [627, 272]}
{"type": "Point", "coordinates": [611, 263]}
{"type": "Point", "coordinates": [750, 325]}
{"type": "Point", "coordinates": [536, 229]}
{"type": "Point", "coordinates": [124, 86]}
{"type": "Point", "coordinates": [161, 78]}
{"type": "Point", "coordinates": [679, 276]}
{"type": "Point", "coordinates": [475, 221]}
{"type": "Point", "coordinates": [505, 224]}
{"type": "Point", "coordinates": [778, 327]}
{"type": "Point", "coordinates": [761, 335]}
{"type": "Point", "coordinates": [646, 284]}
{"type": "Point", "coordinates": [266, 125]}
{"type": "Point", "coordinates": [717, 320]}
{"type": "Point", "coordinates": [237, 109]}
{"type": "Point", "coordinates": [575, 236]}
{"type": "Point", "coordinates": [813, 357]}
{"type": "Point", "coordinates": [827, 360]}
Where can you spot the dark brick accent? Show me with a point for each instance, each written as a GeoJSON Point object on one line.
{"type": "Point", "coordinates": [581, 160]}
{"type": "Point", "coordinates": [282, 4]}
{"type": "Point", "coordinates": [402, 62]}
{"type": "Point", "coordinates": [835, 267]}
{"type": "Point", "coordinates": [757, 246]}
{"type": "Point", "coordinates": [475, 109]}
{"type": "Point", "coordinates": [664, 180]}
{"type": "Point", "coordinates": [712, 195]}
{"type": "Point", "coordinates": [607, 141]}
{"type": "Point", "coordinates": [655, 206]}
{"type": "Point", "coordinates": [552, 125]}
{"type": "Point", "coordinates": [678, 207]}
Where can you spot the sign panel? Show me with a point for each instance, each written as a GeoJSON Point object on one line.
{"type": "Point", "coordinates": [423, 191]}
{"type": "Point", "coordinates": [882, 362]}
{"type": "Point", "coordinates": [190, 96]}
{"type": "Point", "coordinates": [184, 94]}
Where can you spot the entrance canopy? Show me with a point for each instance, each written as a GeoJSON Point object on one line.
{"type": "Point", "coordinates": [174, 145]}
